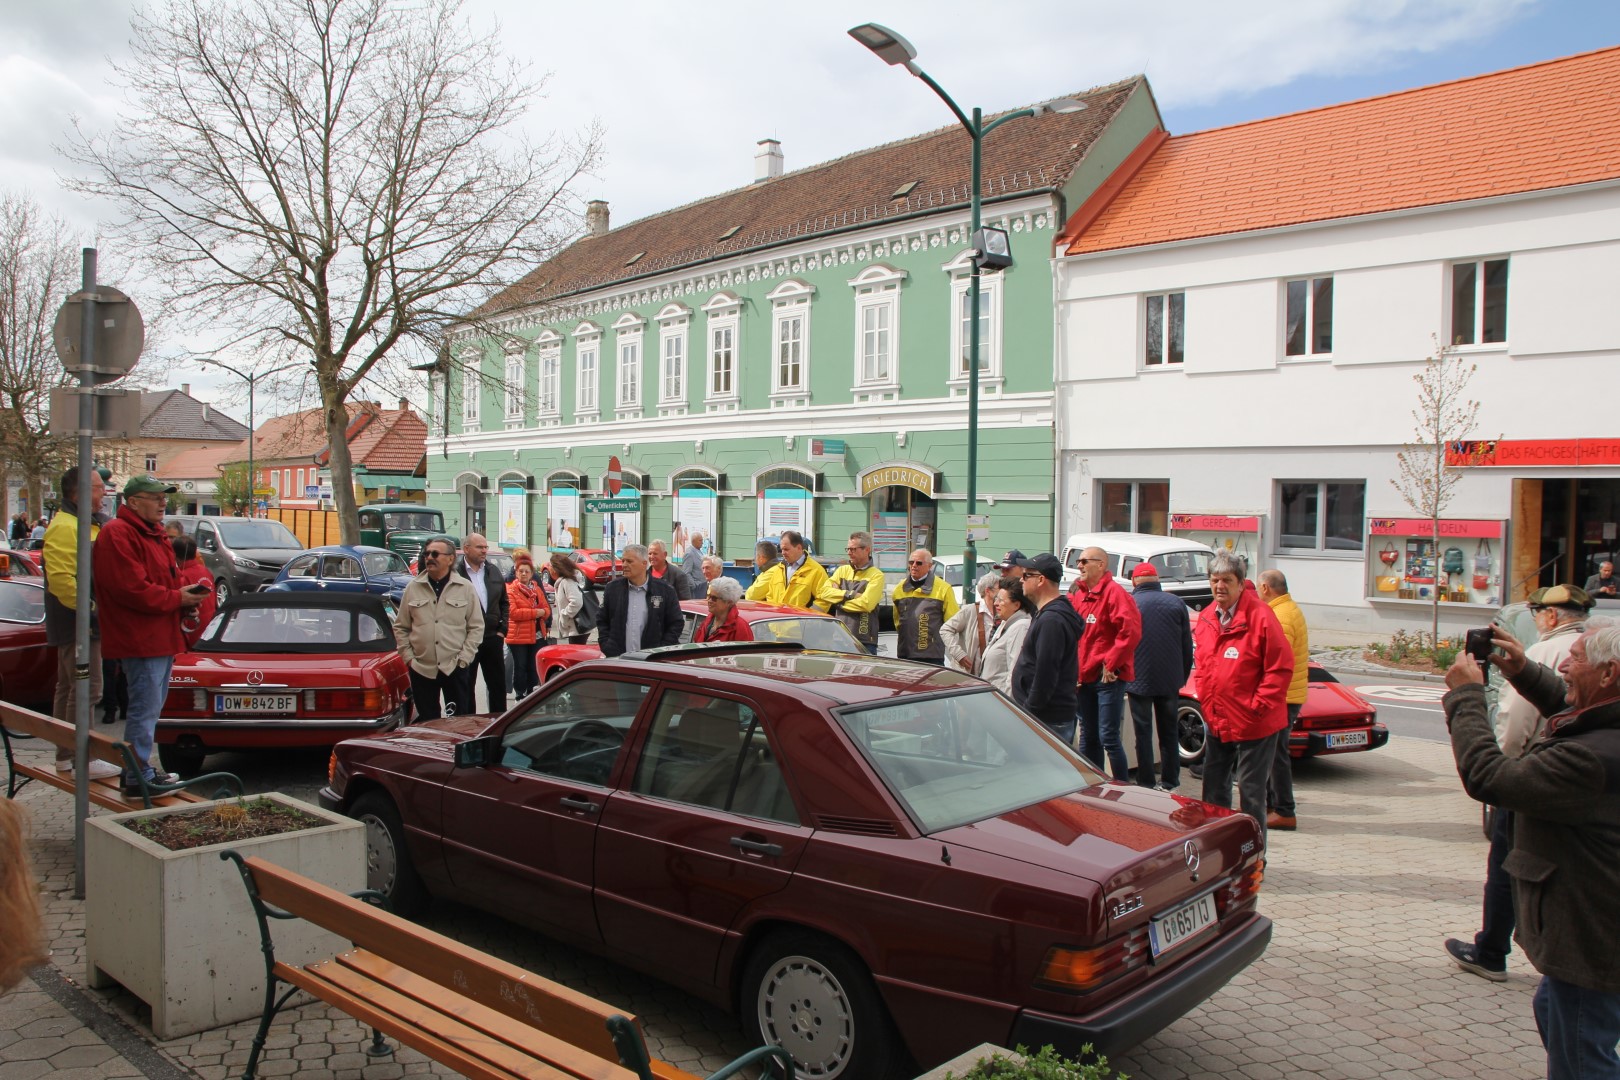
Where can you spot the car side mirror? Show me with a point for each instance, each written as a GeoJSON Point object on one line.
{"type": "Point", "coordinates": [479, 753]}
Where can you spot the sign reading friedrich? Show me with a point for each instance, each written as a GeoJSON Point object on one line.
{"type": "Point", "coordinates": [898, 476]}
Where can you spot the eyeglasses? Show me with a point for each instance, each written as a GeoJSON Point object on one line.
{"type": "Point", "coordinates": [434, 555]}
{"type": "Point", "coordinates": [1537, 609]}
{"type": "Point", "coordinates": [1084, 561]}
{"type": "Point", "coordinates": [916, 562]}
{"type": "Point", "coordinates": [1031, 575]}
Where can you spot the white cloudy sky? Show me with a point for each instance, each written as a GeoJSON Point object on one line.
{"type": "Point", "coordinates": [683, 91]}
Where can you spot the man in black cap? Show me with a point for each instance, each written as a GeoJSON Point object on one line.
{"type": "Point", "coordinates": [1048, 669]}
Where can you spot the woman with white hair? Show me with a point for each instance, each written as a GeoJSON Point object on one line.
{"type": "Point", "coordinates": [723, 623]}
{"type": "Point", "coordinates": [968, 631]}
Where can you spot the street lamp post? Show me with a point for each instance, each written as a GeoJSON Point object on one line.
{"type": "Point", "coordinates": [893, 49]}
{"type": "Point", "coordinates": [252, 379]}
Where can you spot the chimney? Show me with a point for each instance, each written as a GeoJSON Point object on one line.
{"type": "Point", "coordinates": [596, 217]}
{"type": "Point", "coordinates": [404, 405]}
{"type": "Point", "coordinates": [768, 160]}
{"type": "Point", "coordinates": [185, 388]}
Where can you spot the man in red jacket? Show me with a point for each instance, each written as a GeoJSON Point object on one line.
{"type": "Point", "coordinates": [1244, 665]}
{"type": "Point", "coordinates": [140, 600]}
{"type": "Point", "coordinates": [1113, 629]}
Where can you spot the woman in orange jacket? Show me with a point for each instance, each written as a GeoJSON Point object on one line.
{"type": "Point", "coordinates": [527, 612]}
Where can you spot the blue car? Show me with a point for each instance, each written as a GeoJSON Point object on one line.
{"type": "Point", "coordinates": [345, 568]}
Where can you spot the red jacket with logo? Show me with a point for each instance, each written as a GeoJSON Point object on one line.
{"type": "Point", "coordinates": [137, 589]}
{"type": "Point", "coordinates": [1243, 670]}
{"type": "Point", "coordinates": [1113, 629]}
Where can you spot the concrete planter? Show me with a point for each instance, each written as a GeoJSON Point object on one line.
{"type": "Point", "coordinates": [961, 1063]}
{"type": "Point", "coordinates": [175, 928]}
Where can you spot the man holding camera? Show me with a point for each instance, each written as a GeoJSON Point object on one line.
{"type": "Point", "coordinates": [1564, 793]}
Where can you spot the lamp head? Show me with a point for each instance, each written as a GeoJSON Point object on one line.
{"type": "Point", "coordinates": [1060, 105]}
{"type": "Point", "coordinates": [889, 46]}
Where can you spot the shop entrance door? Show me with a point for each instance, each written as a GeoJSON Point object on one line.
{"type": "Point", "coordinates": [903, 520]}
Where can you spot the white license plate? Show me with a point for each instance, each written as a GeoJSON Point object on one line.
{"type": "Point", "coordinates": [1173, 927]}
{"type": "Point", "coordinates": [266, 703]}
{"type": "Point", "coordinates": [1346, 738]}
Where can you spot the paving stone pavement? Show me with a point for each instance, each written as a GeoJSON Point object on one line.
{"type": "Point", "coordinates": [1388, 861]}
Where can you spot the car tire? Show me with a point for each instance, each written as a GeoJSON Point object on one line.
{"type": "Point", "coordinates": [388, 861]}
{"type": "Point", "coordinates": [1191, 734]}
{"type": "Point", "coordinates": [222, 591]}
{"type": "Point", "coordinates": [813, 997]}
{"type": "Point", "coordinates": [187, 762]}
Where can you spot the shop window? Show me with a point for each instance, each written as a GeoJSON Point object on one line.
{"type": "Point", "coordinates": [1309, 331]}
{"type": "Point", "coordinates": [1323, 516]}
{"type": "Point", "coordinates": [1479, 302]}
{"type": "Point", "coordinates": [1134, 506]}
{"type": "Point", "coordinates": [1165, 340]}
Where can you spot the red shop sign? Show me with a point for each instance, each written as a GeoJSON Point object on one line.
{"type": "Point", "coordinates": [1421, 527]}
{"type": "Point", "coordinates": [1214, 523]}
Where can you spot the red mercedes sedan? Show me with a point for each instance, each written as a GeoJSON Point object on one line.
{"type": "Point", "coordinates": [877, 864]}
{"type": "Point", "coordinates": [278, 669]}
{"type": "Point", "coordinates": [27, 664]}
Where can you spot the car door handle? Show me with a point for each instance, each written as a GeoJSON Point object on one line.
{"type": "Point", "coordinates": [757, 847]}
{"type": "Point", "coordinates": [574, 802]}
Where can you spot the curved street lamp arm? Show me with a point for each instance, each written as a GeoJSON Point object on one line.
{"type": "Point", "coordinates": [961, 116]}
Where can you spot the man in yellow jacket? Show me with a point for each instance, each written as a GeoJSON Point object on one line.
{"type": "Point", "coordinates": [861, 587]}
{"type": "Point", "coordinates": [1272, 587]}
{"type": "Point", "coordinates": [922, 603]}
{"type": "Point", "coordinates": [769, 585]}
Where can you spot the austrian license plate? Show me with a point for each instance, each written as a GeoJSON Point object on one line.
{"type": "Point", "coordinates": [1173, 927]}
{"type": "Point", "coordinates": [248, 703]}
{"type": "Point", "coordinates": [1346, 738]}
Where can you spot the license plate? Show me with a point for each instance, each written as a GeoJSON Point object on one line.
{"type": "Point", "coordinates": [265, 703]}
{"type": "Point", "coordinates": [1173, 927]}
{"type": "Point", "coordinates": [1346, 738]}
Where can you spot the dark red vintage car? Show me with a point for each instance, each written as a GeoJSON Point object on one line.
{"type": "Point", "coordinates": [278, 669]}
{"type": "Point", "coordinates": [877, 864]}
{"type": "Point", "coordinates": [1334, 720]}
{"type": "Point", "coordinates": [769, 622]}
{"type": "Point", "coordinates": [27, 664]}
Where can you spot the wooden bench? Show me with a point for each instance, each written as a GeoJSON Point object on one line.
{"type": "Point", "coordinates": [18, 723]}
{"type": "Point", "coordinates": [479, 1015]}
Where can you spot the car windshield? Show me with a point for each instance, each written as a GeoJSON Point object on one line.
{"type": "Point", "coordinates": [296, 629]}
{"type": "Point", "coordinates": [959, 758]}
{"type": "Point", "coordinates": [384, 562]}
{"type": "Point", "coordinates": [257, 534]}
{"type": "Point", "coordinates": [422, 520]}
{"type": "Point", "coordinates": [21, 603]}
{"type": "Point", "coordinates": [1180, 565]}
{"type": "Point", "coordinates": [828, 634]}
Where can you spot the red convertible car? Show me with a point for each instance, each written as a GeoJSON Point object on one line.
{"type": "Point", "coordinates": [769, 622]}
{"type": "Point", "coordinates": [1334, 720]}
{"type": "Point", "coordinates": [278, 669]}
{"type": "Point", "coordinates": [27, 664]}
{"type": "Point", "coordinates": [597, 564]}
{"type": "Point", "coordinates": [875, 863]}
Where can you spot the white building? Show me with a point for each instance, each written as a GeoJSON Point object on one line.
{"type": "Point", "coordinates": [1239, 320]}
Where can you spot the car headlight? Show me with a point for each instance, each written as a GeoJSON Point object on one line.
{"type": "Point", "coordinates": [246, 564]}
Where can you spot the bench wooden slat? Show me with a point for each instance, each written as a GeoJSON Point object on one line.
{"type": "Point", "coordinates": [434, 1047]}
{"type": "Point", "coordinates": [570, 1016]}
{"type": "Point", "coordinates": [57, 732]}
{"type": "Point", "coordinates": [106, 792]}
{"type": "Point", "coordinates": [501, 1041]}
{"type": "Point", "coordinates": [538, 1043]}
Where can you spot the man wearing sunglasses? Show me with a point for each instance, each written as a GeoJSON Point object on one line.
{"type": "Point", "coordinates": [439, 629]}
{"type": "Point", "coordinates": [922, 603]}
{"type": "Point", "coordinates": [1045, 675]}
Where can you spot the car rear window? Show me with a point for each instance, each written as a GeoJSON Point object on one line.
{"type": "Point", "coordinates": [257, 534]}
{"type": "Point", "coordinates": [297, 629]}
{"type": "Point", "coordinates": [953, 759]}
{"type": "Point", "coordinates": [384, 562]}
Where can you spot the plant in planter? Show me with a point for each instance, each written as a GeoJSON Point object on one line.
{"type": "Point", "coordinates": [1048, 1064]}
{"type": "Point", "coordinates": [167, 919]}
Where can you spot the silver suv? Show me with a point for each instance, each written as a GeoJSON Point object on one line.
{"type": "Point", "coordinates": [243, 554]}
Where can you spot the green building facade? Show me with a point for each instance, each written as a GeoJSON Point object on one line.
{"type": "Point", "coordinates": [792, 354]}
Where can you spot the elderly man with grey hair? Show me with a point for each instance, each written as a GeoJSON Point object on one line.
{"type": "Point", "coordinates": [968, 631]}
{"type": "Point", "coordinates": [722, 623]}
{"type": "Point", "coordinates": [638, 610]}
{"type": "Point", "coordinates": [713, 567]}
{"type": "Point", "coordinates": [1564, 793]}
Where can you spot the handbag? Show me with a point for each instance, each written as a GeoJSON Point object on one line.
{"type": "Point", "coordinates": [1482, 581]}
{"type": "Point", "coordinates": [1482, 559]}
{"type": "Point", "coordinates": [1389, 555]}
{"type": "Point", "coordinates": [589, 613]}
{"type": "Point", "coordinates": [1387, 582]}
{"type": "Point", "coordinates": [1453, 562]}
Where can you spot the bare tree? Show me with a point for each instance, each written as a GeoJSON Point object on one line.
{"type": "Point", "coordinates": [1444, 415]}
{"type": "Point", "coordinates": [341, 176]}
{"type": "Point", "coordinates": [233, 490]}
{"type": "Point", "coordinates": [39, 268]}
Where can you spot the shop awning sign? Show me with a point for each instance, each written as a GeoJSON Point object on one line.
{"type": "Point", "coordinates": [911, 476]}
{"type": "Point", "coordinates": [1213, 523]}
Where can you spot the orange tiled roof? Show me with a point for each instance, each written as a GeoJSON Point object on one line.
{"type": "Point", "coordinates": [1547, 125]}
{"type": "Point", "coordinates": [394, 440]}
{"type": "Point", "coordinates": [201, 463]}
{"type": "Point", "coordinates": [296, 436]}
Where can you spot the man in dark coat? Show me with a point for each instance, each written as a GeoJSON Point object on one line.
{"type": "Point", "coordinates": [1564, 793]}
{"type": "Point", "coordinates": [1164, 659]}
{"type": "Point", "coordinates": [490, 585]}
{"type": "Point", "coordinates": [1048, 668]}
{"type": "Point", "coordinates": [638, 610]}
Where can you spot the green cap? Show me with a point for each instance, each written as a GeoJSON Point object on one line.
{"type": "Point", "coordinates": [141, 485]}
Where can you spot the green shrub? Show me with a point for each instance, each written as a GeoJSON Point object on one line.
{"type": "Point", "coordinates": [1046, 1065]}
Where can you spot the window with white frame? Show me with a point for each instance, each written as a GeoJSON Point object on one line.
{"type": "Point", "coordinates": [1165, 323]}
{"type": "Point", "coordinates": [1479, 302]}
{"type": "Point", "coordinates": [877, 328]}
{"type": "Point", "coordinates": [514, 387]}
{"type": "Point", "coordinates": [673, 323]}
{"type": "Point", "coordinates": [587, 369]}
{"type": "Point", "coordinates": [962, 320]}
{"type": "Point", "coordinates": [470, 362]}
{"type": "Point", "coordinates": [151, 463]}
{"type": "Point", "coordinates": [548, 378]}
{"type": "Point", "coordinates": [720, 385]}
{"type": "Point", "coordinates": [627, 355]}
{"type": "Point", "coordinates": [790, 342]}
{"type": "Point", "coordinates": [1309, 327]}
{"type": "Point", "coordinates": [1321, 516]}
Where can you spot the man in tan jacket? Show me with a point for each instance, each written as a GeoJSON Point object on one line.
{"type": "Point", "coordinates": [439, 628]}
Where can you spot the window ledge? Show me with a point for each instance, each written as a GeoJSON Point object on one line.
{"type": "Point", "coordinates": [790, 399]}
{"type": "Point", "coordinates": [1160, 369]}
{"type": "Point", "coordinates": [1487, 348]}
{"type": "Point", "coordinates": [1314, 358]}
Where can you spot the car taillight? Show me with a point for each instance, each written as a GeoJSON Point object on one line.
{"type": "Point", "coordinates": [319, 701]}
{"type": "Point", "coordinates": [1079, 970]}
{"type": "Point", "coordinates": [186, 702]}
{"type": "Point", "coordinates": [1242, 889]}
{"type": "Point", "coordinates": [331, 767]}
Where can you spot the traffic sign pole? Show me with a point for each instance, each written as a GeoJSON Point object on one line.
{"type": "Point", "coordinates": [81, 611]}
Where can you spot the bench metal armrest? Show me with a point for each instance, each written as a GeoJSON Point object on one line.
{"type": "Point", "coordinates": [784, 1062]}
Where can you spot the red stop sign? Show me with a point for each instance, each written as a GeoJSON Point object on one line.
{"type": "Point", "coordinates": [614, 481]}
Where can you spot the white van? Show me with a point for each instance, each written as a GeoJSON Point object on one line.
{"type": "Point", "coordinates": [1183, 565]}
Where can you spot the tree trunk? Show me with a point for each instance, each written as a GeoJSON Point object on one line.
{"type": "Point", "coordinates": [341, 465]}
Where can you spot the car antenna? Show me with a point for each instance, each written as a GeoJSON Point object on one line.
{"type": "Point", "coordinates": [944, 854]}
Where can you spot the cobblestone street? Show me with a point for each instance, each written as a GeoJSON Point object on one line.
{"type": "Point", "coordinates": [1387, 863]}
